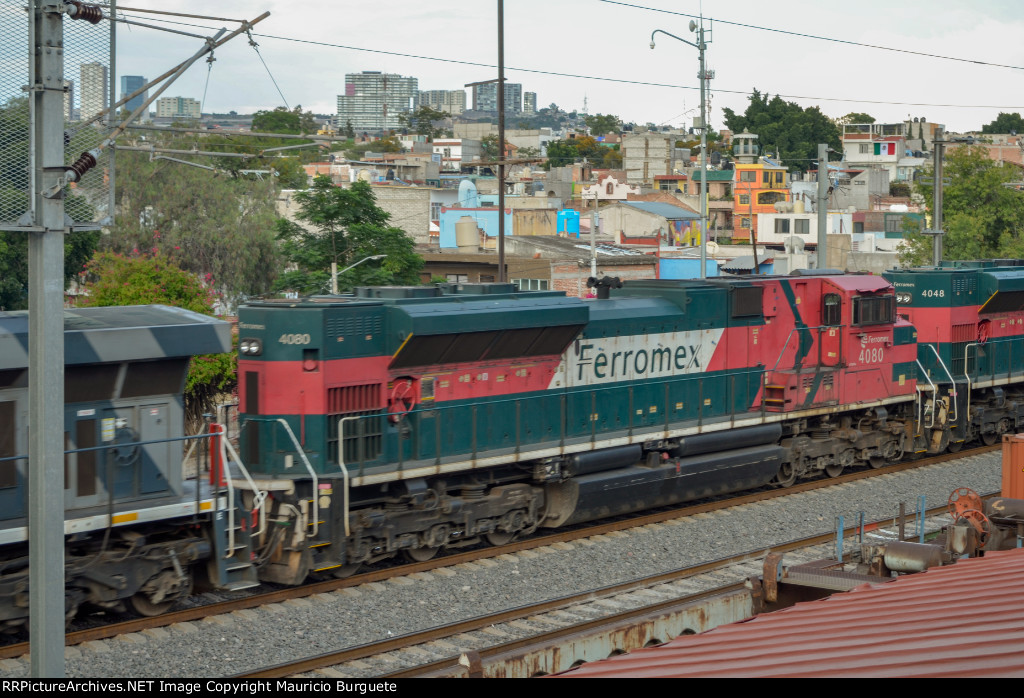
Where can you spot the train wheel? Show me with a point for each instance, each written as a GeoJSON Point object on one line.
{"type": "Point", "coordinates": [346, 571]}
{"type": "Point", "coordinates": [499, 538]}
{"type": "Point", "coordinates": [141, 604]}
{"type": "Point", "coordinates": [834, 469]}
{"type": "Point", "coordinates": [786, 477]}
{"type": "Point", "coordinates": [955, 446]}
{"type": "Point", "coordinates": [421, 554]}
{"type": "Point", "coordinates": [989, 438]}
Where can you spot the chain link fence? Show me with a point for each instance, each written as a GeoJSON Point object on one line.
{"type": "Point", "coordinates": [89, 88]}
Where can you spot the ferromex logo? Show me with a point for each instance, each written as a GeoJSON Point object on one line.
{"type": "Point", "coordinates": [636, 357]}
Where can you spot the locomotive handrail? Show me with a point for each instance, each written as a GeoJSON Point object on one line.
{"type": "Point", "coordinates": [312, 474]}
{"type": "Point", "coordinates": [935, 394]}
{"type": "Point", "coordinates": [967, 375]}
{"type": "Point", "coordinates": [344, 469]}
{"type": "Point", "coordinates": [951, 382]}
{"type": "Point", "coordinates": [819, 328]}
{"type": "Point", "coordinates": [259, 496]}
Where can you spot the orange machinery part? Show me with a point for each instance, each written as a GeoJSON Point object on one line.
{"type": "Point", "coordinates": [1013, 466]}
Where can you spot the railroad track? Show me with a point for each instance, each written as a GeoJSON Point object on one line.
{"type": "Point", "coordinates": [379, 575]}
{"type": "Point", "coordinates": [611, 620]}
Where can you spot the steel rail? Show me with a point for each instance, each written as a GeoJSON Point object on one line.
{"type": "Point", "coordinates": [445, 631]}
{"type": "Point", "coordinates": [279, 595]}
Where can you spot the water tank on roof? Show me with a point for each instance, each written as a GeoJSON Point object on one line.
{"type": "Point", "coordinates": [467, 236]}
{"type": "Point", "coordinates": [798, 206]}
{"type": "Point", "coordinates": [568, 221]}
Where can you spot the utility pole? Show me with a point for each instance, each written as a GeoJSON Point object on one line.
{"type": "Point", "coordinates": [822, 206]}
{"type": "Point", "coordinates": [501, 141]}
{"type": "Point", "coordinates": [46, 342]}
{"type": "Point", "coordinates": [703, 156]}
{"type": "Point", "coordinates": [938, 143]}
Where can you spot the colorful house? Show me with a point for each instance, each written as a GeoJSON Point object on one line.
{"type": "Point", "coordinates": [758, 185]}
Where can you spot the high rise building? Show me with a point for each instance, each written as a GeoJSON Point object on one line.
{"type": "Point", "coordinates": [93, 87]}
{"type": "Point", "coordinates": [529, 103]}
{"type": "Point", "coordinates": [130, 83]}
{"type": "Point", "coordinates": [178, 108]}
{"type": "Point", "coordinates": [485, 97]}
{"type": "Point", "coordinates": [69, 100]}
{"type": "Point", "coordinates": [373, 100]}
{"type": "Point", "coordinates": [449, 101]}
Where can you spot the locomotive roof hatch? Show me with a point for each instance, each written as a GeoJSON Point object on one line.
{"type": "Point", "coordinates": [479, 328]}
{"type": "Point", "coordinates": [1003, 290]}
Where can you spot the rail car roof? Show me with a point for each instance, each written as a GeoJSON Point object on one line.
{"type": "Point", "coordinates": [120, 333]}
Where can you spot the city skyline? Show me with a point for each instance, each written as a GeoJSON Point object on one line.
{"type": "Point", "coordinates": [610, 41]}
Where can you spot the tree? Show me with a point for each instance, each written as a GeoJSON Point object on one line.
{"type": "Point", "coordinates": [601, 124]}
{"type": "Point", "coordinates": [210, 224]}
{"type": "Point", "coordinates": [855, 117]}
{"type": "Point", "coordinates": [1005, 123]}
{"type": "Point", "coordinates": [786, 129]}
{"type": "Point", "coordinates": [283, 120]}
{"type": "Point", "coordinates": [384, 145]}
{"type": "Point", "coordinates": [141, 279]}
{"type": "Point", "coordinates": [981, 217]}
{"type": "Point", "coordinates": [422, 121]}
{"type": "Point", "coordinates": [346, 226]}
{"type": "Point", "coordinates": [489, 150]}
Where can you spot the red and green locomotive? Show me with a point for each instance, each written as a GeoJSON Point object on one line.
{"type": "Point", "coordinates": [411, 419]}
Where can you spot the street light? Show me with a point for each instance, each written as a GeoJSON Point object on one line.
{"type": "Point", "coordinates": [703, 75]}
{"type": "Point", "coordinates": [335, 272]}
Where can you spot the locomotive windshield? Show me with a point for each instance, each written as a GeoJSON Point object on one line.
{"type": "Point", "coordinates": [874, 310]}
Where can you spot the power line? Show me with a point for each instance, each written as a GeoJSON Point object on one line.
{"type": "Point", "coordinates": [623, 81]}
{"type": "Point", "coordinates": [815, 36]}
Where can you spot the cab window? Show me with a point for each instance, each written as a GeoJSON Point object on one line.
{"type": "Point", "coordinates": [874, 310]}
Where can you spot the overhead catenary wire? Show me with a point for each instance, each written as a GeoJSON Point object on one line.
{"type": "Point", "coordinates": [642, 83]}
{"type": "Point", "coordinates": [816, 37]}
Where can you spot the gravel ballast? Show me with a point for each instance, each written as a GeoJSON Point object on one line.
{"type": "Point", "coordinates": [247, 640]}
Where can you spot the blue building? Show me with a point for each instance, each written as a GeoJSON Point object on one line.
{"type": "Point", "coordinates": [130, 83]}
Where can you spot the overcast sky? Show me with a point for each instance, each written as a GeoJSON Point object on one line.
{"type": "Point", "coordinates": [594, 39]}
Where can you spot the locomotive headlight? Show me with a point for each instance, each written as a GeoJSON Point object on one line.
{"type": "Point", "coordinates": [250, 347]}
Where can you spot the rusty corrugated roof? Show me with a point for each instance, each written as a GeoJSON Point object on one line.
{"type": "Point", "coordinates": [966, 619]}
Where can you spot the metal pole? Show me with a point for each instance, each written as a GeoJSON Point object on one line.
{"type": "Point", "coordinates": [822, 205]}
{"type": "Point", "coordinates": [703, 161]}
{"type": "Point", "coordinates": [112, 114]}
{"type": "Point", "coordinates": [938, 143]}
{"type": "Point", "coordinates": [501, 141]}
{"type": "Point", "coordinates": [46, 345]}
{"type": "Point", "coordinates": [593, 240]}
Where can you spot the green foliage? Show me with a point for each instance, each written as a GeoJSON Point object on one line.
{"type": "Point", "coordinates": [384, 145]}
{"type": "Point", "coordinates": [602, 124]}
{"type": "Point", "coordinates": [211, 224]}
{"type": "Point", "coordinates": [855, 117]}
{"type": "Point", "coordinates": [567, 152]}
{"type": "Point", "coordinates": [140, 279]}
{"type": "Point", "coordinates": [899, 189]}
{"type": "Point", "coordinates": [1004, 123]}
{"type": "Point", "coordinates": [981, 217]}
{"type": "Point", "coordinates": [345, 226]}
{"type": "Point", "coordinates": [785, 128]}
{"type": "Point", "coordinates": [489, 150]}
{"type": "Point", "coordinates": [422, 121]}
{"type": "Point", "coordinates": [281, 120]}
{"type": "Point", "coordinates": [612, 159]}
